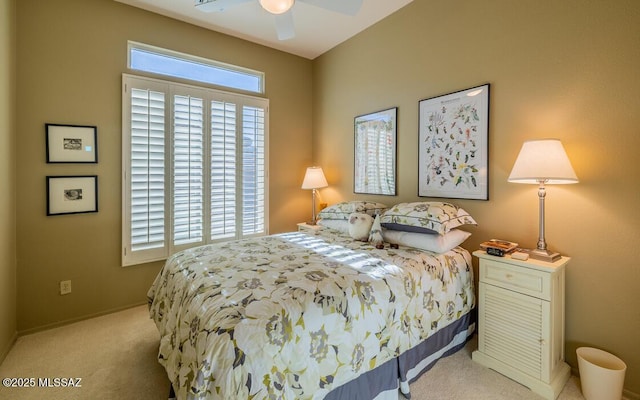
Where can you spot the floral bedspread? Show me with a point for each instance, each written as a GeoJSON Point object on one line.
{"type": "Point", "coordinates": [291, 316]}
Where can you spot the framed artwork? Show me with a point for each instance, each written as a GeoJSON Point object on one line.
{"type": "Point", "coordinates": [72, 194]}
{"type": "Point", "coordinates": [375, 153]}
{"type": "Point", "coordinates": [453, 145]}
{"type": "Point", "coordinates": [71, 143]}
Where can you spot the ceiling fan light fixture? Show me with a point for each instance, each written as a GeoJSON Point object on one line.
{"type": "Point", "coordinates": [277, 6]}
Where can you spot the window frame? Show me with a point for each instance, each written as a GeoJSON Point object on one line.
{"type": "Point", "coordinates": [217, 65]}
{"type": "Point", "coordinates": [170, 89]}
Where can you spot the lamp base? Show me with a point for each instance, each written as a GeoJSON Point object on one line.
{"type": "Point", "coordinates": [544, 255]}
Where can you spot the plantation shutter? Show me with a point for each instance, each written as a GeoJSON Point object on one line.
{"type": "Point", "coordinates": [223, 170]}
{"type": "Point", "coordinates": [194, 167]}
{"type": "Point", "coordinates": [145, 175]}
{"type": "Point", "coordinates": [253, 170]}
{"type": "Point", "coordinates": [188, 169]}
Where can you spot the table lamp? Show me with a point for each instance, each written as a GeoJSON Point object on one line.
{"type": "Point", "coordinates": [542, 162]}
{"type": "Point", "coordinates": [314, 179]}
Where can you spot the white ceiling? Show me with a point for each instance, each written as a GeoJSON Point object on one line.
{"type": "Point", "coordinates": [317, 30]}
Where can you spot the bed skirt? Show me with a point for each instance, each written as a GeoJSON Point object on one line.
{"type": "Point", "coordinates": [394, 376]}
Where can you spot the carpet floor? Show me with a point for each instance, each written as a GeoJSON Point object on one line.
{"type": "Point", "coordinates": [114, 357]}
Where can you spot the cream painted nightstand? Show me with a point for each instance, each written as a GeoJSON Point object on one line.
{"type": "Point", "coordinates": [521, 321]}
{"type": "Point", "coordinates": [308, 228]}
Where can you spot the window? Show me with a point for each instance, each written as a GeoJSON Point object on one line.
{"type": "Point", "coordinates": [194, 167]}
{"type": "Point", "coordinates": [152, 59]}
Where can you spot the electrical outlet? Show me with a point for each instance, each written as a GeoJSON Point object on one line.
{"type": "Point", "coordinates": [65, 287]}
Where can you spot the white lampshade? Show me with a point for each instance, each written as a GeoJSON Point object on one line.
{"type": "Point", "coordinates": [314, 179]}
{"type": "Point", "coordinates": [543, 160]}
{"type": "Point", "coordinates": [277, 6]}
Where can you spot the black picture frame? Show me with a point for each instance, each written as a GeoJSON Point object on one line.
{"type": "Point", "coordinates": [453, 145]}
{"type": "Point", "coordinates": [72, 194]}
{"type": "Point", "coordinates": [76, 144]}
{"type": "Point", "coordinates": [375, 148]}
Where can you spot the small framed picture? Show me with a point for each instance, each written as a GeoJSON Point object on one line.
{"type": "Point", "coordinates": [71, 143]}
{"type": "Point", "coordinates": [375, 153]}
{"type": "Point", "coordinates": [72, 194]}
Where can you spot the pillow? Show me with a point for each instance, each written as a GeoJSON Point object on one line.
{"type": "Point", "coordinates": [429, 242]}
{"type": "Point", "coordinates": [342, 210]}
{"type": "Point", "coordinates": [360, 226]}
{"type": "Point", "coordinates": [340, 225]}
{"type": "Point", "coordinates": [425, 217]}
{"type": "Point", "coordinates": [370, 207]}
{"type": "Point", "coordinates": [338, 211]}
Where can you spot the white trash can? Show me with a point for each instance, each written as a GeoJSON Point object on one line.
{"type": "Point", "coordinates": [601, 374]}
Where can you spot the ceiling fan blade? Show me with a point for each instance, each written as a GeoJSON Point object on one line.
{"type": "Point", "coordinates": [217, 5]}
{"type": "Point", "coordinates": [284, 26]}
{"type": "Point", "coordinates": [348, 7]}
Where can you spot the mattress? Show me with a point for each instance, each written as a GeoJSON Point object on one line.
{"type": "Point", "coordinates": [299, 316]}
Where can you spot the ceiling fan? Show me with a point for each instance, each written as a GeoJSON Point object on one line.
{"type": "Point", "coordinates": [281, 9]}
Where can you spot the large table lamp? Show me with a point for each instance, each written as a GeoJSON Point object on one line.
{"type": "Point", "coordinates": [543, 162]}
{"type": "Point", "coordinates": [314, 179]}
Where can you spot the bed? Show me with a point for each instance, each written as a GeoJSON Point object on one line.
{"type": "Point", "coordinates": [304, 316]}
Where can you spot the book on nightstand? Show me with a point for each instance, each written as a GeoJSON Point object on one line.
{"type": "Point", "coordinates": [497, 247]}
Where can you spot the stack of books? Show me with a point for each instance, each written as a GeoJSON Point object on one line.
{"type": "Point", "coordinates": [497, 247]}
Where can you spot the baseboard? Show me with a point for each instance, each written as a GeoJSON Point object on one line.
{"type": "Point", "coordinates": [629, 395]}
{"type": "Point", "coordinates": [74, 320]}
{"type": "Point", "coordinates": [8, 348]}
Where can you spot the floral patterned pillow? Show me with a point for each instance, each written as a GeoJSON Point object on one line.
{"type": "Point", "coordinates": [342, 210]}
{"type": "Point", "coordinates": [425, 217]}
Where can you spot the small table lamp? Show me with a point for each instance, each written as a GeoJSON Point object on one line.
{"type": "Point", "coordinates": [543, 162]}
{"type": "Point", "coordinates": [314, 179]}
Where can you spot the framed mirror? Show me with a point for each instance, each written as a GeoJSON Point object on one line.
{"type": "Point", "coordinates": [375, 153]}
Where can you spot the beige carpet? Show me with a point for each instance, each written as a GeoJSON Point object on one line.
{"type": "Point", "coordinates": [115, 357]}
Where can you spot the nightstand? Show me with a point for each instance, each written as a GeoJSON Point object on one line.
{"type": "Point", "coordinates": [521, 321]}
{"type": "Point", "coordinates": [308, 228]}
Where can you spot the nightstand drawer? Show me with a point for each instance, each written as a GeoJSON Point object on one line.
{"type": "Point", "coordinates": [523, 280]}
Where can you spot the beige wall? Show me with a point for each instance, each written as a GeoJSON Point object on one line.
{"type": "Point", "coordinates": [557, 69]}
{"type": "Point", "coordinates": [70, 57]}
{"type": "Point", "coordinates": [565, 69]}
{"type": "Point", "coordinates": [7, 178]}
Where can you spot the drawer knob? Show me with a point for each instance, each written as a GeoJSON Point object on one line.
{"type": "Point", "coordinates": [509, 276]}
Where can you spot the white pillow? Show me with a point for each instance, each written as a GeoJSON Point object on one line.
{"type": "Point", "coordinates": [340, 225]}
{"type": "Point", "coordinates": [426, 241]}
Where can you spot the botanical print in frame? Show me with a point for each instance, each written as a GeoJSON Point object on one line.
{"type": "Point", "coordinates": [71, 143]}
{"type": "Point", "coordinates": [72, 194]}
{"type": "Point", "coordinates": [453, 145]}
{"type": "Point", "coordinates": [375, 153]}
